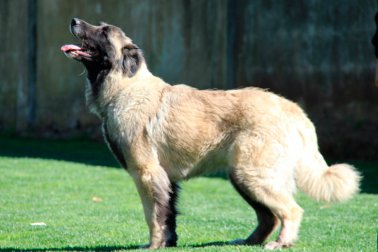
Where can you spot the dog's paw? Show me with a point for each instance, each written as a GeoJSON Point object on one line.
{"type": "Point", "coordinates": [277, 245]}
{"type": "Point", "coordinates": [157, 246]}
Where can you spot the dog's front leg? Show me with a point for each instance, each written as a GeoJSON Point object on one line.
{"type": "Point", "coordinates": [156, 191]}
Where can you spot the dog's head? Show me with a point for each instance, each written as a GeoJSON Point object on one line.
{"type": "Point", "coordinates": [103, 48]}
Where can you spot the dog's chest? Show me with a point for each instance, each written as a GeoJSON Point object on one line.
{"type": "Point", "coordinates": [128, 114]}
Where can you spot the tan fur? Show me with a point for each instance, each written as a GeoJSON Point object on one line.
{"type": "Point", "coordinates": [177, 132]}
{"type": "Point", "coordinates": [266, 143]}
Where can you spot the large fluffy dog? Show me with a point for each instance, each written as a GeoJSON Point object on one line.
{"type": "Point", "coordinates": [163, 134]}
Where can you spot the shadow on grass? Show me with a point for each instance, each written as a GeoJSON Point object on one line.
{"type": "Point", "coordinates": [212, 244]}
{"type": "Point", "coordinates": [79, 151]}
{"type": "Point", "coordinates": [112, 248]}
{"type": "Point", "coordinates": [97, 153]}
{"type": "Point", "coordinates": [100, 248]}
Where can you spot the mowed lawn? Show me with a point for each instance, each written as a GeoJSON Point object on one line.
{"type": "Point", "coordinates": [82, 202]}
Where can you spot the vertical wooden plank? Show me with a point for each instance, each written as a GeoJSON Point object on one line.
{"type": "Point", "coordinates": [32, 62]}
{"type": "Point", "coordinates": [231, 51]}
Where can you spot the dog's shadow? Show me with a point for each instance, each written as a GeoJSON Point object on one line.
{"type": "Point", "coordinates": [212, 244]}
{"type": "Point", "coordinates": [114, 248]}
{"type": "Point", "coordinates": [96, 249]}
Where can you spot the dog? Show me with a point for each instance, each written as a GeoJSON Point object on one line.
{"type": "Point", "coordinates": [162, 134]}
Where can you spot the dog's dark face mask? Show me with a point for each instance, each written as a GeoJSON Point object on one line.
{"type": "Point", "coordinates": [102, 49]}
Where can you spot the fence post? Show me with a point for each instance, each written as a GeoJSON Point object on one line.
{"type": "Point", "coordinates": [26, 81]}
{"type": "Point", "coordinates": [231, 43]}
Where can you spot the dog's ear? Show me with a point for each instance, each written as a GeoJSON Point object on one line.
{"type": "Point", "coordinates": [131, 59]}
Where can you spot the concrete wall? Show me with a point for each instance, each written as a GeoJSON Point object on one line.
{"type": "Point", "coordinates": [317, 53]}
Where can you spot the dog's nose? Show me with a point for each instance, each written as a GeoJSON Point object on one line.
{"type": "Point", "coordinates": [75, 21]}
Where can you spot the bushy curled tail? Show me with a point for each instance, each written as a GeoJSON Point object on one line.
{"type": "Point", "coordinates": [333, 183]}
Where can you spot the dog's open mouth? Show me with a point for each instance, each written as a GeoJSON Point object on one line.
{"type": "Point", "coordinates": [76, 52]}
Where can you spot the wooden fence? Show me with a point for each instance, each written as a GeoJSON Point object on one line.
{"type": "Point", "coordinates": [317, 53]}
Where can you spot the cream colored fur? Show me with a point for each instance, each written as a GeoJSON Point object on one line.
{"type": "Point", "coordinates": [266, 143]}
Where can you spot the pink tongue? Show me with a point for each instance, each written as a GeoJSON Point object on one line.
{"type": "Point", "coordinates": [67, 48]}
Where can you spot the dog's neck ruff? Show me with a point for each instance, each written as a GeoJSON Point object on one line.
{"type": "Point", "coordinates": [101, 93]}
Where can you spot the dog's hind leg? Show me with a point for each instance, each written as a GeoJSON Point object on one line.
{"type": "Point", "coordinates": [289, 212]}
{"type": "Point", "coordinates": [159, 198]}
{"type": "Point", "coordinates": [267, 221]}
{"type": "Point", "coordinates": [263, 170]}
{"type": "Point", "coordinates": [270, 204]}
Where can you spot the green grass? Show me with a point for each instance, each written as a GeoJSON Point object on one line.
{"type": "Point", "coordinates": [57, 182]}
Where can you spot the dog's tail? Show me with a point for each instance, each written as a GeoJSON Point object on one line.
{"type": "Point", "coordinates": [333, 183]}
